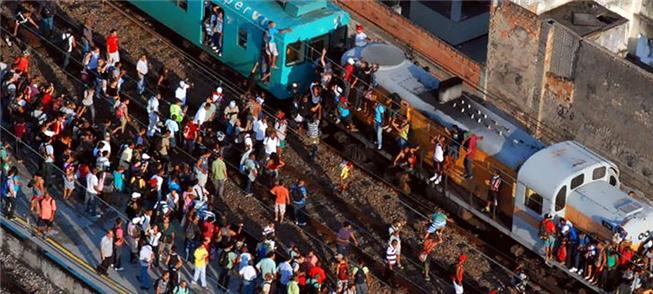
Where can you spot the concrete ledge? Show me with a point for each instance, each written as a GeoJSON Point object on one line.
{"type": "Point", "coordinates": [21, 247]}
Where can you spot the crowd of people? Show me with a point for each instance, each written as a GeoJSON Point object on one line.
{"type": "Point", "coordinates": [110, 156]}
{"type": "Point", "coordinates": [95, 148]}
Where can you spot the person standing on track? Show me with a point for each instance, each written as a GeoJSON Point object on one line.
{"type": "Point", "coordinates": [142, 68]}
{"type": "Point", "coordinates": [219, 174]}
{"type": "Point", "coordinates": [113, 55]}
{"type": "Point", "coordinates": [118, 242]}
{"type": "Point", "coordinates": [282, 198]}
{"type": "Point", "coordinates": [344, 237]}
{"type": "Point", "coordinates": [23, 16]}
{"type": "Point", "coordinates": [458, 273]}
{"type": "Point", "coordinates": [201, 256]}
{"type": "Point", "coordinates": [424, 256]}
{"type": "Point", "coordinates": [69, 44]}
{"type": "Point", "coordinates": [299, 195]}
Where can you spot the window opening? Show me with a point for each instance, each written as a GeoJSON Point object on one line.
{"type": "Point", "coordinates": [577, 181]}
{"type": "Point", "coordinates": [561, 198]}
{"type": "Point", "coordinates": [295, 53]}
{"type": "Point", "coordinates": [534, 201]}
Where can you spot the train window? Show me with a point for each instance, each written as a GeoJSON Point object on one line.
{"type": "Point", "coordinates": [295, 53]}
{"type": "Point", "coordinates": [183, 4]}
{"type": "Point", "coordinates": [339, 35]}
{"type": "Point", "coordinates": [577, 181]}
{"type": "Point", "coordinates": [599, 173]}
{"type": "Point", "coordinates": [561, 198]}
{"type": "Point", "coordinates": [613, 181]}
{"type": "Point", "coordinates": [534, 201]}
{"type": "Point", "coordinates": [242, 37]}
{"type": "Point", "coordinates": [316, 45]}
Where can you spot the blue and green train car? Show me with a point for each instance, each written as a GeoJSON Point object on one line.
{"type": "Point", "coordinates": [314, 24]}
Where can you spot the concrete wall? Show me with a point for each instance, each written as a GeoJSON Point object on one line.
{"type": "Point", "coordinates": [416, 37]}
{"type": "Point", "coordinates": [605, 102]}
{"type": "Point", "coordinates": [28, 252]}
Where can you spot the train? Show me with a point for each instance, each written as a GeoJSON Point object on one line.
{"type": "Point", "coordinates": [314, 25]}
{"type": "Point", "coordinates": [564, 180]}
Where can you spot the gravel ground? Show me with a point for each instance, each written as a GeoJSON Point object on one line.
{"type": "Point", "coordinates": [377, 200]}
{"type": "Point", "coordinates": [20, 278]}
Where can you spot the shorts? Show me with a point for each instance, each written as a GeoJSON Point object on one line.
{"type": "Point", "coordinates": [272, 49]}
{"type": "Point", "coordinates": [280, 208]}
{"type": "Point", "coordinates": [113, 57]}
{"type": "Point", "coordinates": [550, 241]}
{"type": "Point", "coordinates": [45, 223]}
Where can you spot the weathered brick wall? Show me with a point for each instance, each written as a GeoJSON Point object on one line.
{"type": "Point", "coordinates": [512, 68]}
{"type": "Point", "coordinates": [607, 103]}
{"type": "Point", "coordinates": [419, 39]}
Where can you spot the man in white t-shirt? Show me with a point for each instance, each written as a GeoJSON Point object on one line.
{"type": "Point", "coordinates": [172, 126]}
{"type": "Point", "coordinates": [201, 114]}
{"type": "Point", "coordinates": [271, 143]}
{"type": "Point", "coordinates": [92, 188]}
{"type": "Point", "coordinates": [180, 93]}
{"type": "Point", "coordinates": [360, 39]}
{"type": "Point", "coordinates": [248, 274]}
{"type": "Point", "coordinates": [142, 68]}
{"type": "Point", "coordinates": [260, 126]}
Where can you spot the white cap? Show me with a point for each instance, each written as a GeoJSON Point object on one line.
{"type": "Point", "coordinates": [259, 100]}
{"type": "Point", "coordinates": [219, 90]}
{"type": "Point", "coordinates": [145, 156]}
{"type": "Point", "coordinates": [338, 91]}
{"type": "Point", "coordinates": [137, 220]}
{"type": "Point", "coordinates": [183, 84]}
{"type": "Point", "coordinates": [136, 195]}
{"type": "Point", "coordinates": [350, 60]}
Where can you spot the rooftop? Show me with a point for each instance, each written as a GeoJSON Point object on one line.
{"type": "Point", "coordinates": [585, 17]}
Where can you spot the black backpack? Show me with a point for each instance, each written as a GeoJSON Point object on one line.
{"type": "Point", "coordinates": [360, 277]}
{"type": "Point", "coordinates": [296, 194]}
{"type": "Point", "coordinates": [223, 261]}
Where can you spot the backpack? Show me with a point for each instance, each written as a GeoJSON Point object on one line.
{"type": "Point", "coordinates": [359, 277]}
{"type": "Point", "coordinates": [296, 194]}
{"type": "Point", "coordinates": [223, 261]}
{"type": "Point", "coordinates": [243, 168]}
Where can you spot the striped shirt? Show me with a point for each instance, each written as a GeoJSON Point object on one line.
{"type": "Point", "coordinates": [313, 129]}
{"type": "Point", "coordinates": [391, 255]}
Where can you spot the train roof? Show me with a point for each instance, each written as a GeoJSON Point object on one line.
{"type": "Point", "coordinates": [503, 138]}
{"type": "Point", "coordinates": [293, 14]}
{"type": "Point", "coordinates": [557, 164]}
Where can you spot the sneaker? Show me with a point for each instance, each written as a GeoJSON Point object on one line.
{"type": "Point", "coordinates": [120, 269]}
{"type": "Point", "coordinates": [427, 278]}
{"type": "Point", "coordinates": [580, 272]}
{"type": "Point", "coordinates": [359, 109]}
{"type": "Point", "coordinates": [573, 270]}
{"type": "Point", "coordinates": [379, 147]}
{"type": "Point", "coordinates": [9, 43]}
{"type": "Point", "coordinates": [98, 215]}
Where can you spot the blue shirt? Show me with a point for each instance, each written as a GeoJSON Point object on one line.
{"type": "Point", "coordinates": [285, 272]}
{"type": "Point", "coordinates": [378, 113]}
{"type": "Point", "coordinates": [272, 34]}
{"type": "Point", "coordinates": [303, 191]}
{"type": "Point", "coordinates": [118, 180]}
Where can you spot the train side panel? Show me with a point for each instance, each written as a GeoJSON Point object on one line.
{"type": "Point", "coordinates": [183, 17]}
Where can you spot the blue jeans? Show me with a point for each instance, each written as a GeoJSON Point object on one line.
{"type": "Point", "coordinates": [248, 185]}
{"type": "Point", "coordinates": [91, 202]}
{"type": "Point", "coordinates": [248, 287]}
{"type": "Point", "coordinates": [402, 143]}
{"type": "Point", "coordinates": [378, 127]}
{"type": "Point", "coordinates": [144, 277]}
{"type": "Point", "coordinates": [140, 85]}
{"type": "Point", "coordinates": [300, 215]}
{"type": "Point", "coordinates": [361, 288]}
{"type": "Point", "coordinates": [47, 25]}
{"type": "Point", "coordinates": [86, 46]}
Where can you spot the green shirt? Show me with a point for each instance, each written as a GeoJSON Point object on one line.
{"type": "Point", "coordinates": [293, 287]}
{"type": "Point", "coordinates": [176, 110]}
{"type": "Point", "coordinates": [266, 266]}
{"type": "Point", "coordinates": [218, 170]}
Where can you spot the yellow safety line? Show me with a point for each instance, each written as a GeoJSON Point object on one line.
{"type": "Point", "coordinates": [67, 252]}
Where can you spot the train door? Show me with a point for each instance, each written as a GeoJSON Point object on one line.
{"type": "Point", "coordinates": [530, 208]}
{"type": "Point", "coordinates": [213, 28]}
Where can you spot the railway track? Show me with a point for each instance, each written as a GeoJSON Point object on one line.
{"type": "Point", "coordinates": [123, 10]}
{"type": "Point", "coordinates": [416, 205]}
{"type": "Point", "coordinates": [236, 198]}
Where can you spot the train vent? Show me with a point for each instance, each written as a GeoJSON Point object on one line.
{"type": "Point", "coordinates": [629, 207]}
{"type": "Point", "coordinates": [297, 8]}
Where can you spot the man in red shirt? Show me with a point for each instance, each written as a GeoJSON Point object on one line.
{"type": "Point", "coordinates": [470, 148]}
{"type": "Point", "coordinates": [282, 199]}
{"type": "Point", "coordinates": [190, 135]}
{"type": "Point", "coordinates": [112, 48]}
{"type": "Point", "coordinates": [548, 235]}
{"type": "Point", "coordinates": [21, 64]}
{"type": "Point", "coordinates": [317, 275]}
